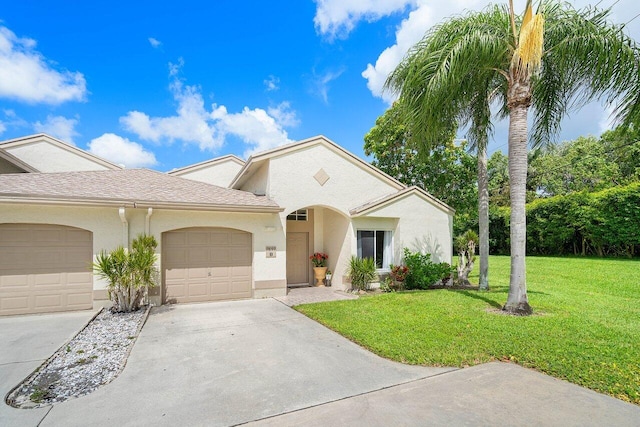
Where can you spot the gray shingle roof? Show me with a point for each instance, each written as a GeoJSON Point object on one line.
{"type": "Point", "coordinates": [140, 186]}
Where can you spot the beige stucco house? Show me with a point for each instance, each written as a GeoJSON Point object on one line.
{"type": "Point", "coordinates": [227, 229]}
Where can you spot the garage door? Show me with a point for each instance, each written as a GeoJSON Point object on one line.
{"type": "Point", "coordinates": [206, 264]}
{"type": "Point", "coordinates": [44, 268]}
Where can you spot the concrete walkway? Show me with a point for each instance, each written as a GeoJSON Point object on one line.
{"type": "Point", "coordinates": [308, 295]}
{"type": "Point", "coordinates": [493, 394]}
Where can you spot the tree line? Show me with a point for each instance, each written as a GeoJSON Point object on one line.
{"type": "Point", "coordinates": [583, 196]}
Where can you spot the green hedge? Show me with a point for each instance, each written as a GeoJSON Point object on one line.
{"type": "Point", "coordinates": [604, 223]}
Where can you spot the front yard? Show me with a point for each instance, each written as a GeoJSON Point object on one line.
{"type": "Point", "coordinates": [585, 327]}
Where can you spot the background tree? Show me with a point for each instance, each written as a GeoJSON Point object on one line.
{"type": "Point", "coordinates": [553, 63]}
{"type": "Point", "coordinates": [446, 171]}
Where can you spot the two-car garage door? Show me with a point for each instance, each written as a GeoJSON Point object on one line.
{"type": "Point", "coordinates": [45, 268]}
{"type": "Point", "coordinates": [206, 264]}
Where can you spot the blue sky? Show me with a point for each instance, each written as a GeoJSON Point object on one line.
{"type": "Point", "coordinates": [165, 84]}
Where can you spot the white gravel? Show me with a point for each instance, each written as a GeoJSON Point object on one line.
{"type": "Point", "coordinates": [92, 358]}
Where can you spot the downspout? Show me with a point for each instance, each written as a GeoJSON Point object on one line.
{"type": "Point", "coordinates": [147, 220]}
{"type": "Point", "coordinates": [125, 228]}
{"type": "Point", "coordinates": [147, 231]}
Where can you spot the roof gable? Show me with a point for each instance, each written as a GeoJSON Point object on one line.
{"type": "Point", "coordinates": [206, 164]}
{"type": "Point", "coordinates": [257, 160]}
{"type": "Point", "coordinates": [47, 154]}
{"type": "Point", "coordinates": [219, 171]}
{"type": "Point", "coordinates": [15, 162]}
{"type": "Point", "coordinates": [392, 198]}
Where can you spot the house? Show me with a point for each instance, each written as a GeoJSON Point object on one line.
{"type": "Point", "coordinates": [227, 229]}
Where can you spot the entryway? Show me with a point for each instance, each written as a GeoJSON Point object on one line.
{"type": "Point", "coordinates": [297, 259]}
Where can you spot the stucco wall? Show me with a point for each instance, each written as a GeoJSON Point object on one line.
{"type": "Point", "coordinates": [292, 185]}
{"type": "Point", "coordinates": [420, 227]}
{"type": "Point", "coordinates": [220, 174]}
{"type": "Point", "coordinates": [337, 243]}
{"type": "Point", "coordinates": [47, 157]}
{"type": "Point", "coordinates": [268, 273]}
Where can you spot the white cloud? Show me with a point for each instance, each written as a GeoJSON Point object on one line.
{"type": "Point", "coordinates": [58, 127]}
{"type": "Point", "coordinates": [155, 43]}
{"type": "Point", "coordinates": [255, 127]}
{"type": "Point", "coordinates": [272, 83]}
{"type": "Point", "coordinates": [121, 151]}
{"type": "Point", "coordinates": [3, 127]}
{"type": "Point", "coordinates": [410, 31]}
{"type": "Point", "coordinates": [336, 18]}
{"type": "Point", "coordinates": [321, 83]}
{"type": "Point", "coordinates": [194, 124]}
{"type": "Point", "coordinates": [284, 115]}
{"type": "Point", "coordinates": [26, 75]}
{"type": "Point", "coordinates": [190, 125]}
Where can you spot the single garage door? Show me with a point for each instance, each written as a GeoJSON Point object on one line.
{"type": "Point", "coordinates": [206, 264]}
{"type": "Point", "coordinates": [45, 268]}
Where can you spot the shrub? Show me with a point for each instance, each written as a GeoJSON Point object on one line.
{"type": "Point", "coordinates": [129, 273]}
{"type": "Point", "coordinates": [423, 273]}
{"type": "Point", "coordinates": [362, 271]}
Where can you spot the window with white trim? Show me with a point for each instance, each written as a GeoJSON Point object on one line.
{"type": "Point", "coordinates": [376, 244]}
{"type": "Point", "coordinates": [299, 215]}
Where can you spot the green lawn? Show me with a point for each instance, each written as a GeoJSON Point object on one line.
{"type": "Point", "coordinates": [585, 329]}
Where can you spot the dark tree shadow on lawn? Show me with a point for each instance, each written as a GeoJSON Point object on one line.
{"type": "Point", "coordinates": [482, 297]}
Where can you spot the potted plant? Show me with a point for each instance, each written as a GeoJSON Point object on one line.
{"type": "Point", "coordinates": [319, 261]}
{"type": "Point", "coordinates": [328, 277]}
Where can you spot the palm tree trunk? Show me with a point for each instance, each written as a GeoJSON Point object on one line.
{"type": "Point", "coordinates": [517, 301]}
{"type": "Point", "coordinates": [483, 216]}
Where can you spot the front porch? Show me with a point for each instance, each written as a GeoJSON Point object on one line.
{"type": "Point", "coordinates": [309, 295]}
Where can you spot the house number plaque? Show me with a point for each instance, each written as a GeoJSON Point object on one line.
{"type": "Point", "coordinates": [271, 251]}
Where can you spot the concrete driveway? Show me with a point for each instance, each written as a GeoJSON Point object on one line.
{"type": "Point", "coordinates": [236, 362]}
{"type": "Point", "coordinates": [25, 343]}
{"type": "Point", "coordinates": [227, 363]}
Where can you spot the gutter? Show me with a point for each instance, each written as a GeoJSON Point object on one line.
{"type": "Point", "coordinates": [144, 204]}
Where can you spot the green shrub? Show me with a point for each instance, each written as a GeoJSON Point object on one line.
{"type": "Point", "coordinates": [423, 273]}
{"type": "Point", "coordinates": [129, 273]}
{"type": "Point", "coordinates": [361, 271]}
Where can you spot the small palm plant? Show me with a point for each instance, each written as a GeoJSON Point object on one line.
{"type": "Point", "coordinates": [129, 273]}
{"type": "Point", "coordinates": [361, 271]}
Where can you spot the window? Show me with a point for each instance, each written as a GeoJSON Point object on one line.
{"type": "Point", "coordinates": [299, 215]}
{"type": "Point", "coordinates": [376, 244]}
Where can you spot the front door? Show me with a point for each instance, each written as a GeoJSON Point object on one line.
{"type": "Point", "coordinates": [297, 258]}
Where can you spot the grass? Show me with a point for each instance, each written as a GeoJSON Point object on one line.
{"type": "Point", "coordinates": [585, 327]}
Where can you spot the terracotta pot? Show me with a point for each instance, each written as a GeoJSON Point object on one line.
{"type": "Point", "coordinates": [319, 273]}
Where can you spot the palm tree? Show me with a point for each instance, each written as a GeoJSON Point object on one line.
{"type": "Point", "coordinates": [554, 60]}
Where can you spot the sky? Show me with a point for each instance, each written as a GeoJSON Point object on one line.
{"type": "Point", "coordinates": [164, 85]}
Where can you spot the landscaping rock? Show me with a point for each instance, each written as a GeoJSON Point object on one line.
{"type": "Point", "coordinates": [94, 357]}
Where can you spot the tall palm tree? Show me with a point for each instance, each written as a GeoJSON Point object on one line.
{"type": "Point", "coordinates": [554, 60]}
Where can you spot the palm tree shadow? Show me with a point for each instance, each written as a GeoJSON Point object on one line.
{"type": "Point", "coordinates": [481, 297]}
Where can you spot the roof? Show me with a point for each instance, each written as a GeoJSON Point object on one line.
{"type": "Point", "coordinates": [25, 140]}
{"type": "Point", "coordinates": [256, 160]}
{"type": "Point", "coordinates": [392, 198]}
{"type": "Point", "coordinates": [207, 163]}
{"type": "Point", "coordinates": [128, 187]}
{"type": "Point", "coordinates": [16, 161]}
